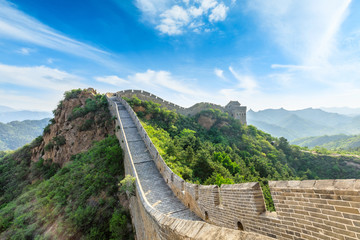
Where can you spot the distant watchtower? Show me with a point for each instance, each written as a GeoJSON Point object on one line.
{"type": "Point", "coordinates": [237, 111]}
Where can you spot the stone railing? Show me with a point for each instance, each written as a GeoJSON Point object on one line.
{"type": "Point", "coordinates": [313, 209]}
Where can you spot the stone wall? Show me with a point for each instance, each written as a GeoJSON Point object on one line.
{"type": "Point", "coordinates": [191, 111]}
{"type": "Point", "coordinates": [321, 209]}
{"type": "Point", "coordinates": [152, 224]}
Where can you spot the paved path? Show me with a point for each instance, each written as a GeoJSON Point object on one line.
{"type": "Point", "coordinates": [157, 192]}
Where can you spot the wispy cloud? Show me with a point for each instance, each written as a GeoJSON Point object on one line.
{"type": "Point", "coordinates": [220, 73]}
{"type": "Point", "coordinates": [245, 82]}
{"type": "Point", "coordinates": [39, 77]}
{"type": "Point", "coordinates": [25, 51]}
{"type": "Point", "coordinates": [151, 79]}
{"type": "Point", "coordinates": [112, 80]}
{"type": "Point", "coordinates": [310, 35]}
{"type": "Point", "coordinates": [37, 87]}
{"type": "Point", "coordinates": [174, 18]}
{"type": "Point", "coordinates": [16, 25]}
{"type": "Point", "coordinates": [306, 30]}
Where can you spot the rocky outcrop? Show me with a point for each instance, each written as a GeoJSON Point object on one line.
{"type": "Point", "coordinates": [68, 135]}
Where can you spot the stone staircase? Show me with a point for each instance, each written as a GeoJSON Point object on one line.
{"type": "Point", "coordinates": [157, 192]}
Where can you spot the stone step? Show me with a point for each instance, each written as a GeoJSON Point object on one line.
{"type": "Point", "coordinates": [157, 192]}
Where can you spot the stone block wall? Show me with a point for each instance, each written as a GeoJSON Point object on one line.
{"type": "Point", "coordinates": [314, 209]}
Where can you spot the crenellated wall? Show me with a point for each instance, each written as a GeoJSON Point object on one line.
{"type": "Point", "coordinates": [313, 209]}
{"type": "Point", "coordinates": [191, 111]}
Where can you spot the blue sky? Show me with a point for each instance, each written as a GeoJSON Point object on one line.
{"type": "Point", "coordinates": [265, 54]}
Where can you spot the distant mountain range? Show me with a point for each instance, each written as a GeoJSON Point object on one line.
{"type": "Point", "coordinates": [335, 142]}
{"type": "Point", "coordinates": [303, 123]}
{"type": "Point", "coordinates": [16, 134]}
{"type": "Point", "coordinates": [343, 110]}
{"type": "Point", "coordinates": [8, 114]}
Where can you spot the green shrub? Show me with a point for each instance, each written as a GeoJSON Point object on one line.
{"type": "Point", "coordinates": [59, 140]}
{"type": "Point", "coordinates": [86, 125]}
{"type": "Point", "coordinates": [127, 185]}
{"type": "Point", "coordinates": [37, 141]}
{"type": "Point", "coordinates": [47, 129]}
{"type": "Point", "coordinates": [44, 168]}
{"type": "Point", "coordinates": [72, 94]}
{"type": "Point", "coordinates": [118, 225]}
{"type": "Point", "coordinates": [48, 147]}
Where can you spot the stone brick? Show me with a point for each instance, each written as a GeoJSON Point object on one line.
{"type": "Point", "coordinates": [347, 210]}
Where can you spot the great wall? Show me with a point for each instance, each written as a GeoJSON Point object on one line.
{"type": "Point", "coordinates": [233, 108]}
{"type": "Point", "coordinates": [167, 207]}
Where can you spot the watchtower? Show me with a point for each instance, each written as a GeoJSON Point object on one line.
{"type": "Point", "coordinates": [237, 111]}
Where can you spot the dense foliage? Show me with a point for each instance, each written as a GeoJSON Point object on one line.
{"type": "Point", "coordinates": [229, 152]}
{"type": "Point", "coordinates": [80, 199]}
{"type": "Point", "coordinates": [339, 143]}
{"type": "Point", "coordinates": [16, 134]}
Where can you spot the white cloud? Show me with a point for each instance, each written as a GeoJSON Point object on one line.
{"type": "Point", "coordinates": [208, 4]}
{"type": "Point", "coordinates": [16, 25]}
{"type": "Point", "coordinates": [159, 79]}
{"type": "Point", "coordinates": [38, 87]}
{"type": "Point", "coordinates": [151, 8]}
{"type": "Point", "coordinates": [113, 80]}
{"type": "Point", "coordinates": [176, 17]}
{"type": "Point", "coordinates": [25, 51]}
{"type": "Point", "coordinates": [219, 73]}
{"type": "Point", "coordinates": [218, 13]}
{"type": "Point", "coordinates": [39, 77]}
{"type": "Point", "coordinates": [173, 20]}
{"type": "Point", "coordinates": [292, 67]}
{"type": "Point", "coordinates": [245, 82]}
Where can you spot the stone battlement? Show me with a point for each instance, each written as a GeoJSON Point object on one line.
{"type": "Point", "coordinates": [312, 209]}
{"type": "Point", "coordinates": [237, 112]}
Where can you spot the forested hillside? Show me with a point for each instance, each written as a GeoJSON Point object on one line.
{"type": "Point", "coordinates": [16, 134]}
{"type": "Point", "coordinates": [335, 142]}
{"type": "Point", "coordinates": [55, 189]}
{"type": "Point", "coordinates": [213, 148]}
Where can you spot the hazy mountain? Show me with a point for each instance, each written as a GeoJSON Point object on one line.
{"type": "Point", "coordinates": [303, 123]}
{"type": "Point", "coordinates": [343, 110]}
{"type": "Point", "coordinates": [6, 109]}
{"type": "Point", "coordinates": [8, 114]}
{"type": "Point", "coordinates": [16, 134]}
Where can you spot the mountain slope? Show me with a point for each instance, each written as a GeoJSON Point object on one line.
{"type": "Point", "coordinates": [16, 134]}
{"type": "Point", "coordinates": [335, 142]}
{"type": "Point", "coordinates": [303, 123]}
{"type": "Point", "coordinates": [9, 116]}
{"type": "Point", "coordinates": [64, 185]}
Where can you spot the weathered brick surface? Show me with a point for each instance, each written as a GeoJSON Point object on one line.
{"type": "Point", "coordinates": [311, 209]}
